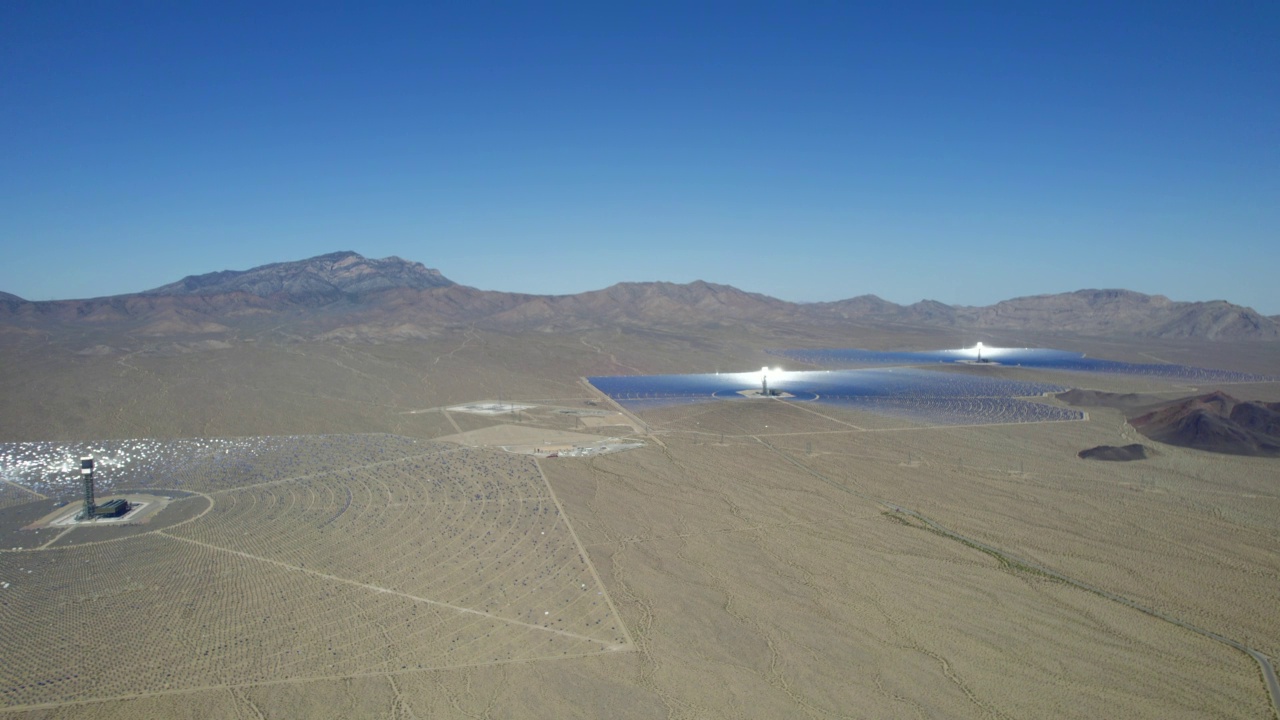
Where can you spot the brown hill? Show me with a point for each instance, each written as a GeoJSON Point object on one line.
{"type": "Point", "coordinates": [1084, 312]}
{"type": "Point", "coordinates": [1215, 422]}
{"type": "Point", "coordinates": [319, 279]}
{"type": "Point", "coordinates": [1122, 312]}
{"type": "Point", "coordinates": [1112, 453]}
{"type": "Point", "coordinates": [344, 295]}
{"type": "Point", "coordinates": [1097, 398]}
{"type": "Point", "coordinates": [698, 302]}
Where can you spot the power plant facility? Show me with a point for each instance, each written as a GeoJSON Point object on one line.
{"type": "Point", "coordinates": [764, 384]}
{"type": "Point", "coordinates": [91, 510]}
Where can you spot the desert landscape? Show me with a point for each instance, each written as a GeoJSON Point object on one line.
{"type": "Point", "coordinates": [357, 521]}
{"type": "Point", "coordinates": [680, 361]}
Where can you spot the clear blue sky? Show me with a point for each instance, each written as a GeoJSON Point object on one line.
{"type": "Point", "coordinates": [966, 152]}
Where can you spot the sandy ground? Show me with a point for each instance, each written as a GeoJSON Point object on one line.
{"type": "Point", "coordinates": [519, 435]}
{"type": "Point", "coordinates": [747, 571]}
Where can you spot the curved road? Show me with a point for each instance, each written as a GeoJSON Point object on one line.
{"type": "Point", "coordinates": [1264, 662]}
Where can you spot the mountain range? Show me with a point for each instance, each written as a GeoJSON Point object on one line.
{"type": "Point", "coordinates": [346, 296]}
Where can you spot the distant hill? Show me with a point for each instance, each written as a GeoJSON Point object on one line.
{"type": "Point", "coordinates": [346, 296]}
{"type": "Point", "coordinates": [326, 277]}
{"type": "Point", "coordinates": [1097, 398]}
{"type": "Point", "coordinates": [1215, 422]}
{"type": "Point", "coordinates": [1126, 453]}
{"type": "Point", "coordinates": [648, 303]}
{"type": "Point", "coordinates": [1084, 312]}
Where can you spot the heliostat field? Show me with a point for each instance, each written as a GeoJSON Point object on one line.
{"type": "Point", "coordinates": [916, 395]}
{"type": "Point", "coordinates": [1037, 358]}
{"type": "Point", "coordinates": [916, 388]}
{"type": "Point", "coordinates": [291, 558]}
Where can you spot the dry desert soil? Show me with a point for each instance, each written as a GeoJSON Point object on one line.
{"type": "Point", "coordinates": [340, 543]}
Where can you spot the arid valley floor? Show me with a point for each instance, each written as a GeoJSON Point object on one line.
{"type": "Point", "coordinates": [341, 540]}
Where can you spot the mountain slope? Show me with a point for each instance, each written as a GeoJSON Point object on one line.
{"type": "Point", "coordinates": [326, 277]}
{"type": "Point", "coordinates": [656, 302]}
{"type": "Point", "coordinates": [345, 295]}
{"type": "Point", "coordinates": [1085, 312]}
{"type": "Point", "coordinates": [1215, 422]}
{"type": "Point", "coordinates": [1106, 312]}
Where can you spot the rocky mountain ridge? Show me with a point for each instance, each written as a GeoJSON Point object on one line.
{"type": "Point", "coordinates": [1085, 312]}
{"type": "Point", "coordinates": [346, 296]}
{"type": "Point", "coordinates": [322, 278]}
{"type": "Point", "coordinates": [1216, 422]}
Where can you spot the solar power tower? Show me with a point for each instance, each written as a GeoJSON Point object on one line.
{"type": "Point", "coordinates": [86, 474]}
